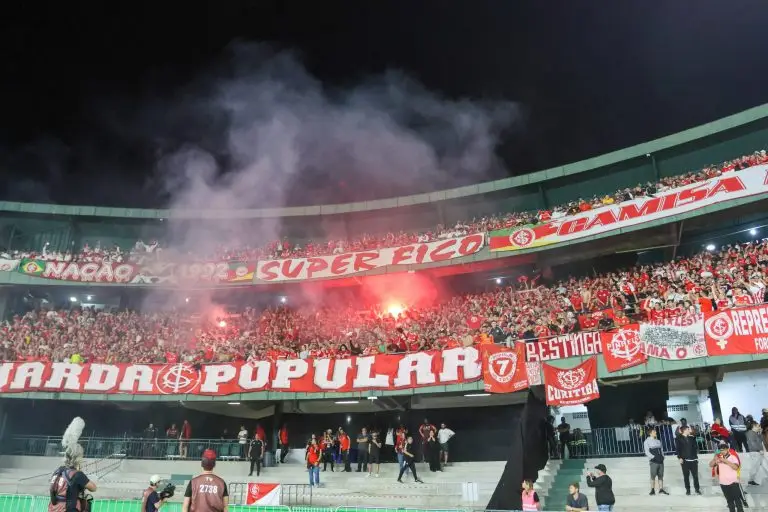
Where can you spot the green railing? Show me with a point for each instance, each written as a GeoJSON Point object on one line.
{"type": "Point", "coordinates": [29, 503]}
{"type": "Point", "coordinates": [128, 447]}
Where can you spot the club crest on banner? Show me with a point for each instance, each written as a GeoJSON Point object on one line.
{"type": "Point", "coordinates": [177, 379]}
{"type": "Point", "coordinates": [571, 386]}
{"type": "Point", "coordinates": [625, 344]}
{"type": "Point", "coordinates": [502, 366]}
{"type": "Point", "coordinates": [522, 237]}
{"type": "Point", "coordinates": [571, 379]}
{"type": "Point", "coordinates": [719, 327]}
{"type": "Point", "coordinates": [503, 370]}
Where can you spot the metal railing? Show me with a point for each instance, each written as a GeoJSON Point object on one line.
{"type": "Point", "coordinates": [597, 442]}
{"type": "Point", "coordinates": [109, 448]}
{"type": "Point", "coordinates": [628, 441]}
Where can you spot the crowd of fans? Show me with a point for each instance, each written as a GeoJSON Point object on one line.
{"type": "Point", "coordinates": [735, 275]}
{"type": "Point", "coordinates": [286, 248]}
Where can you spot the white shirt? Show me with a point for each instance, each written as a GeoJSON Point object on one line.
{"type": "Point", "coordinates": [242, 437]}
{"type": "Point", "coordinates": [444, 435]}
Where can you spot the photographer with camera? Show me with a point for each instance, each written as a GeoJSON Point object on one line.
{"type": "Point", "coordinates": [68, 483]}
{"type": "Point", "coordinates": [152, 500]}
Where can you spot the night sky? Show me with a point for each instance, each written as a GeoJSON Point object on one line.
{"type": "Point", "coordinates": [586, 78]}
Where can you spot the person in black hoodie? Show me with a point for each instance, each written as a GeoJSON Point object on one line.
{"type": "Point", "coordinates": [688, 454]}
{"type": "Point", "coordinates": [603, 486]}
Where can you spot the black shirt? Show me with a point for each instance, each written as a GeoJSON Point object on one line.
{"type": "Point", "coordinates": [256, 448]}
{"type": "Point", "coordinates": [374, 449]}
{"type": "Point", "coordinates": [580, 501]}
{"type": "Point", "coordinates": [408, 448]}
{"type": "Point", "coordinates": [687, 448]}
{"type": "Point", "coordinates": [152, 499]}
{"type": "Point", "coordinates": [603, 486]}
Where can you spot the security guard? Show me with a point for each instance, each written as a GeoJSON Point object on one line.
{"type": "Point", "coordinates": [206, 492]}
{"type": "Point", "coordinates": [256, 454]}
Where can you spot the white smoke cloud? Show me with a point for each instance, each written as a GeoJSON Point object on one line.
{"type": "Point", "coordinates": [269, 134]}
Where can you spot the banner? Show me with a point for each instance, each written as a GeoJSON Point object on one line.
{"type": "Point", "coordinates": [571, 386]}
{"type": "Point", "coordinates": [622, 348]}
{"type": "Point", "coordinates": [263, 494]}
{"type": "Point", "coordinates": [84, 272]}
{"type": "Point", "coordinates": [195, 273]}
{"type": "Point", "coordinates": [729, 186]}
{"type": "Point", "coordinates": [379, 372]}
{"type": "Point", "coordinates": [585, 343]}
{"type": "Point", "coordinates": [504, 369]}
{"type": "Point", "coordinates": [339, 265]}
{"type": "Point", "coordinates": [8, 265]}
{"type": "Point", "coordinates": [146, 273]}
{"type": "Point", "coordinates": [674, 339]}
{"type": "Point", "coordinates": [742, 331]}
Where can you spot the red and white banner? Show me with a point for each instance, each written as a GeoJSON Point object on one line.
{"type": "Point", "coordinates": [674, 339]}
{"type": "Point", "coordinates": [324, 267]}
{"type": "Point", "coordinates": [729, 186]}
{"type": "Point", "coordinates": [263, 494]}
{"type": "Point", "coordinates": [382, 372]}
{"type": "Point", "coordinates": [504, 369]}
{"type": "Point", "coordinates": [585, 343]}
{"type": "Point", "coordinates": [571, 386]}
{"type": "Point", "coordinates": [737, 331]}
{"type": "Point", "coordinates": [622, 348]}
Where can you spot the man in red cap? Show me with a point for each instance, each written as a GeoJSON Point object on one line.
{"type": "Point", "coordinates": [206, 492]}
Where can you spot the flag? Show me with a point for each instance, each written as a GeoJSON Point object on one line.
{"type": "Point", "coordinates": [504, 369]}
{"type": "Point", "coordinates": [622, 348]}
{"type": "Point", "coordinates": [571, 386]}
{"type": "Point", "coordinates": [32, 267]}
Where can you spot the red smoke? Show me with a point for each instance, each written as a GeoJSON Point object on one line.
{"type": "Point", "coordinates": [398, 291]}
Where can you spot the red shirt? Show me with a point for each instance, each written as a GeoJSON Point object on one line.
{"type": "Point", "coordinates": [344, 442]}
{"type": "Point", "coordinates": [621, 321]}
{"type": "Point", "coordinates": [576, 301]}
{"type": "Point", "coordinates": [705, 304]}
{"type": "Point", "coordinates": [313, 455]}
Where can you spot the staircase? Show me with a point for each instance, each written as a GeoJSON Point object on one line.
{"type": "Point", "coordinates": [569, 471]}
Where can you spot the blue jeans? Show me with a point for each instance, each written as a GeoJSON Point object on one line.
{"type": "Point", "coordinates": [401, 462]}
{"type": "Point", "coordinates": [314, 470]}
{"type": "Point", "coordinates": [604, 508]}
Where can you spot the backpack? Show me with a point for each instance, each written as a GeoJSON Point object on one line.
{"type": "Point", "coordinates": [60, 482]}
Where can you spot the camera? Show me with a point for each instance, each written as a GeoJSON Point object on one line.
{"type": "Point", "coordinates": [86, 502]}
{"type": "Point", "coordinates": [167, 491]}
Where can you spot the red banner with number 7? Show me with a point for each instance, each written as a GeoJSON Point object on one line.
{"type": "Point", "coordinates": [504, 368]}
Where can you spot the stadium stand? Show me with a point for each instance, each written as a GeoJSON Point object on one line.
{"type": "Point", "coordinates": [287, 248]}
{"type": "Point", "coordinates": [734, 276]}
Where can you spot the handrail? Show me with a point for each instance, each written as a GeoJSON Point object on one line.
{"type": "Point", "coordinates": [639, 150]}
